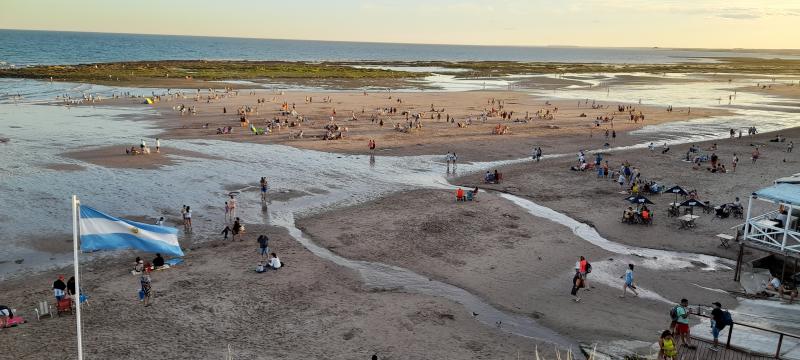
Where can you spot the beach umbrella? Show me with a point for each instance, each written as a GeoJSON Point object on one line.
{"type": "Point", "coordinates": [677, 190]}
{"type": "Point", "coordinates": [691, 203]}
{"type": "Point", "coordinates": [638, 200]}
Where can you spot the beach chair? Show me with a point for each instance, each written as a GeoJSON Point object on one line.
{"type": "Point", "coordinates": [469, 196]}
{"type": "Point", "coordinates": [64, 306]}
{"type": "Point", "coordinates": [43, 309]}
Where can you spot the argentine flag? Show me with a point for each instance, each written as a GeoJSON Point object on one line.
{"type": "Point", "coordinates": [103, 232]}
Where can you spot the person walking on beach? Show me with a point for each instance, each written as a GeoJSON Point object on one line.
{"type": "Point", "coordinates": [629, 282]}
{"type": "Point", "coordinates": [582, 268]}
{"type": "Point", "coordinates": [264, 186]}
{"type": "Point", "coordinates": [613, 135]}
{"type": "Point", "coordinates": [790, 147]}
{"type": "Point", "coordinates": [577, 284]}
{"type": "Point", "coordinates": [680, 321]}
{"type": "Point", "coordinates": [146, 286]}
{"type": "Point", "coordinates": [755, 155]}
{"type": "Point", "coordinates": [237, 228]}
{"type": "Point", "coordinates": [158, 145]}
{"type": "Point", "coordinates": [225, 232]}
{"type": "Point", "coordinates": [735, 162]}
{"type": "Point", "coordinates": [232, 206]}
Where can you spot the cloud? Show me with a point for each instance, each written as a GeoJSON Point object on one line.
{"type": "Point", "coordinates": [738, 15]}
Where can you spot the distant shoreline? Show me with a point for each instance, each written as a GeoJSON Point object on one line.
{"type": "Point", "coordinates": [197, 73]}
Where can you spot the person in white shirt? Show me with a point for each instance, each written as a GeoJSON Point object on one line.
{"type": "Point", "coordinates": [774, 284]}
{"type": "Point", "coordinates": [160, 221]}
{"type": "Point", "coordinates": [158, 145]}
{"type": "Point", "coordinates": [274, 263]}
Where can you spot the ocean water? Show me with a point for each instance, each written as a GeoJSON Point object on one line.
{"type": "Point", "coordinates": [21, 48]}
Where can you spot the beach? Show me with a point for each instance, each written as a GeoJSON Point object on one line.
{"type": "Point", "coordinates": [361, 214]}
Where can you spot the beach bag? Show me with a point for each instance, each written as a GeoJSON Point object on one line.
{"type": "Point", "coordinates": [588, 268]}
{"type": "Point", "coordinates": [727, 319]}
{"type": "Point", "coordinates": [673, 313]}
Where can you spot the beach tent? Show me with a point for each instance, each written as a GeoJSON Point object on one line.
{"type": "Point", "coordinates": [677, 190]}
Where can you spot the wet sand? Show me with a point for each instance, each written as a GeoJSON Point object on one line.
{"type": "Point", "coordinates": [115, 157]}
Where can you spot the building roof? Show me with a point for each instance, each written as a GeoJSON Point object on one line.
{"type": "Point", "coordinates": [781, 192]}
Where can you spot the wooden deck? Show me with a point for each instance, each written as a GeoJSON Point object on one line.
{"type": "Point", "coordinates": [703, 352]}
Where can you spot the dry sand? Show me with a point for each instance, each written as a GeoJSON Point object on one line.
{"type": "Point", "coordinates": [473, 143]}
{"type": "Point", "coordinates": [523, 263]}
{"type": "Point", "coordinates": [309, 309]}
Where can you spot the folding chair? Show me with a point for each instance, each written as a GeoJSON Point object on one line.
{"type": "Point", "coordinates": [43, 309]}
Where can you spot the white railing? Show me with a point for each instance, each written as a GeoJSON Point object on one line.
{"type": "Point", "coordinates": [778, 238]}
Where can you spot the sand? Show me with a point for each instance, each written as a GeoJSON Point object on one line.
{"type": "Point", "coordinates": [309, 309]}
{"type": "Point", "coordinates": [523, 263]}
{"type": "Point", "coordinates": [115, 157]}
{"type": "Point", "coordinates": [492, 248]}
{"type": "Point", "coordinates": [473, 143]}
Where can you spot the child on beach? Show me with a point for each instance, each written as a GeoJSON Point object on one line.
{"type": "Point", "coordinates": [187, 219]}
{"type": "Point", "coordinates": [629, 282]}
{"type": "Point", "coordinates": [666, 344]}
{"type": "Point", "coordinates": [146, 286]}
{"type": "Point", "coordinates": [237, 228]}
{"type": "Point", "coordinates": [225, 232]}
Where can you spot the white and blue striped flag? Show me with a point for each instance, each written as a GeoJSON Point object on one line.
{"type": "Point", "coordinates": [103, 232]}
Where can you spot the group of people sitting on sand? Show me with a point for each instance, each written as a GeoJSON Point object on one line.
{"type": "Point", "coordinates": [492, 177]}
{"type": "Point", "coordinates": [143, 148]}
{"type": "Point", "coordinates": [501, 129]}
{"type": "Point", "coordinates": [642, 216]}
{"type": "Point", "coordinates": [468, 195]}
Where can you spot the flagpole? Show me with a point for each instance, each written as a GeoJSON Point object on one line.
{"type": "Point", "coordinates": [77, 274]}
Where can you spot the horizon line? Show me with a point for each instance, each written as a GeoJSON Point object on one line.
{"type": "Point", "coordinates": [410, 43]}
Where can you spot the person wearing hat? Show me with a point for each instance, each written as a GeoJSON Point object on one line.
{"type": "Point", "coordinates": [59, 288]}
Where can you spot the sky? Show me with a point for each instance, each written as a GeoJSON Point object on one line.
{"type": "Point", "coordinates": [759, 24]}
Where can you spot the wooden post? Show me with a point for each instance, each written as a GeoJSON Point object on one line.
{"type": "Point", "coordinates": [730, 331]}
{"type": "Point", "coordinates": [737, 274]}
{"type": "Point", "coordinates": [783, 271]}
{"type": "Point", "coordinates": [778, 352]}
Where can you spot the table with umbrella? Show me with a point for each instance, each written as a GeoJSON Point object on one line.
{"type": "Point", "coordinates": [639, 200]}
{"type": "Point", "coordinates": [673, 208]}
{"type": "Point", "coordinates": [687, 221]}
